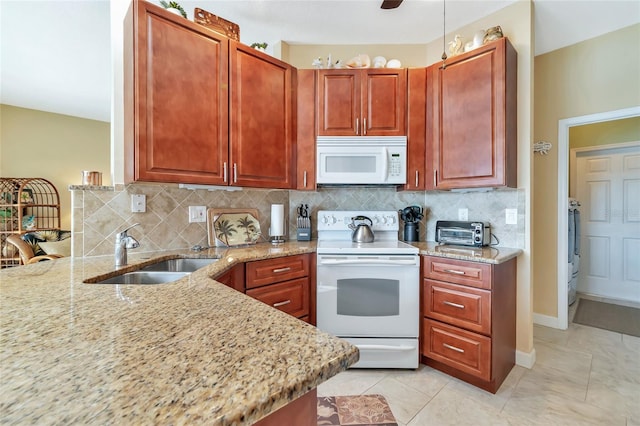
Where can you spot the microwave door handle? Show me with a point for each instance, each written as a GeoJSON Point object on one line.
{"type": "Point", "coordinates": [385, 166]}
{"type": "Point", "coordinates": [366, 261]}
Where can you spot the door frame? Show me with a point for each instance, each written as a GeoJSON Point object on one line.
{"type": "Point", "coordinates": [563, 196]}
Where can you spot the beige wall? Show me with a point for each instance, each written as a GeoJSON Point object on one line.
{"type": "Point", "coordinates": [54, 147]}
{"type": "Point", "coordinates": [301, 56]}
{"type": "Point", "coordinates": [605, 133]}
{"type": "Point", "coordinates": [594, 76]}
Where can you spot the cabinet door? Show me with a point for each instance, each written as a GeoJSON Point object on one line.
{"type": "Point", "coordinates": [261, 133]}
{"type": "Point", "coordinates": [268, 271]}
{"type": "Point", "coordinates": [384, 97]}
{"type": "Point", "coordinates": [466, 351]}
{"type": "Point", "coordinates": [291, 297]}
{"type": "Point", "coordinates": [338, 102]}
{"type": "Point", "coordinates": [176, 98]}
{"type": "Point", "coordinates": [306, 130]}
{"type": "Point", "coordinates": [416, 128]}
{"type": "Point", "coordinates": [474, 131]}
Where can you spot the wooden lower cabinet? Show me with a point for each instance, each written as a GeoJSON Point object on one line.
{"type": "Point", "coordinates": [283, 283]}
{"type": "Point", "coordinates": [300, 412]}
{"type": "Point", "coordinates": [233, 277]}
{"type": "Point", "coordinates": [469, 319]}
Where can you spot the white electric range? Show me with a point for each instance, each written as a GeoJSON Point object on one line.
{"type": "Point", "coordinates": [368, 293]}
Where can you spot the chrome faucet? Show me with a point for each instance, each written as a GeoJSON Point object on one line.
{"type": "Point", "coordinates": [124, 242]}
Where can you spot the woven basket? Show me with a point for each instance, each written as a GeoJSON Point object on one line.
{"type": "Point", "coordinates": [217, 24]}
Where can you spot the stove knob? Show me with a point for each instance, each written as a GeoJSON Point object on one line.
{"type": "Point", "coordinates": [325, 220]}
{"type": "Point", "coordinates": [376, 220]}
{"type": "Point", "coordinates": [391, 220]}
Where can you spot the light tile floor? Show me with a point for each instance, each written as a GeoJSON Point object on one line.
{"type": "Point", "coordinates": [582, 376]}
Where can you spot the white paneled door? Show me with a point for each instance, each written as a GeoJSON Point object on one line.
{"type": "Point", "coordinates": [608, 188]}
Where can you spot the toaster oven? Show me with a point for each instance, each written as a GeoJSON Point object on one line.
{"type": "Point", "coordinates": [477, 234]}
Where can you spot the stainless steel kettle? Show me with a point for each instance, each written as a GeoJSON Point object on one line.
{"type": "Point", "coordinates": [362, 233]}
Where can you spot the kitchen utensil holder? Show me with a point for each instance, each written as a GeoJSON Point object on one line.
{"type": "Point", "coordinates": [412, 231]}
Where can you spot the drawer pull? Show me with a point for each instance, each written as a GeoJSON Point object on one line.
{"type": "Point", "coordinates": [455, 305]}
{"type": "Point", "coordinates": [454, 271]}
{"type": "Point", "coordinates": [453, 348]}
{"type": "Point", "coordinates": [277, 271]}
{"type": "Point", "coordinates": [286, 302]}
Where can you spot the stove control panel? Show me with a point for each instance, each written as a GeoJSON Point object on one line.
{"type": "Point", "coordinates": [383, 220]}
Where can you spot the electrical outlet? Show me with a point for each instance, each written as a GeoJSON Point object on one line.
{"type": "Point", "coordinates": [511, 216]}
{"type": "Point", "coordinates": [463, 214]}
{"type": "Point", "coordinates": [197, 214]}
{"type": "Point", "coordinates": [138, 203]}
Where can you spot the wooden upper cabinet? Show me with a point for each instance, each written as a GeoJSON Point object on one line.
{"type": "Point", "coordinates": [306, 130]}
{"type": "Point", "coordinates": [362, 102]}
{"type": "Point", "coordinates": [416, 128]}
{"type": "Point", "coordinates": [473, 137]}
{"type": "Point", "coordinates": [176, 98]}
{"type": "Point", "coordinates": [261, 133]}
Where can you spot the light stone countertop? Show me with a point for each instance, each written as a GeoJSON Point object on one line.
{"type": "Point", "coordinates": [192, 351]}
{"type": "Point", "coordinates": [489, 254]}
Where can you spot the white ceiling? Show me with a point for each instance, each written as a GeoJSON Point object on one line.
{"type": "Point", "coordinates": [56, 54]}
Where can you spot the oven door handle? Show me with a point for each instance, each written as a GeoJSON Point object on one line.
{"type": "Point", "coordinates": [387, 347]}
{"type": "Point", "coordinates": [366, 262]}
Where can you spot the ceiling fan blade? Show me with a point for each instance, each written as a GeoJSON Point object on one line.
{"type": "Point", "coordinates": [390, 4]}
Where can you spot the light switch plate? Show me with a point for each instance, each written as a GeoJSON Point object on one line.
{"type": "Point", "coordinates": [197, 214]}
{"type": "Point", "coordinates": [511, 216]}
{"type": "Point", "coordinates": [138, 203]}
{"type": "Point", "coordinates": [463, 214]}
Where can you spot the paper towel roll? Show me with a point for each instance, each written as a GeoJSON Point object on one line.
{"type": "Point", "coordinates": [277, 220]}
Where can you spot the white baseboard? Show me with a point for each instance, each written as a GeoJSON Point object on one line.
{"type": "Point", "coordinates": [525, 359]}
{"type": "Point", "coordinates": [547, 321]}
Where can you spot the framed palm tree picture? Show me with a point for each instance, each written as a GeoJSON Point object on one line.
{"type": "Point", "coordinates": [233, 227]}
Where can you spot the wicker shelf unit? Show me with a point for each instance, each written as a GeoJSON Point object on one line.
{"type": "Point", "coordinates": [26, 204]}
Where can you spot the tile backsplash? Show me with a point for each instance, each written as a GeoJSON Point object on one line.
{"type": "Point", "coordinates": [99, 213]}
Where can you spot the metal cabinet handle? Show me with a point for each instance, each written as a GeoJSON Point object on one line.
{"type": "Point", "coordinates": [416, 178]}
{"type": "Point", "coordinates": [224, 171]}
{"type": "Point", "coordinates": [453, 348]}
{"type": "Point", "coordinates": [364, 126]}
{"type": "Point", "coordinates": [454, 271]}
{"type": "Point", "coordinates": [277, 271]}
{"type": "Point", "coordinates": [286, 302]}
{"type": "Point", "coordinates": [304, 179]}
{"type": "Point", "coordinates": [357, 126]}
{"type": "Point", "coordinates": [235, 172]}
{"type": "Point", "coordinates": [435, 178]}
{"type": "Point", "coordinates": [455, 305]}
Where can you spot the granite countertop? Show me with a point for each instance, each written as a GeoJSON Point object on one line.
{"type": "Point", "coordinates": [194, 351]}
{"type": "Point", "coordinates": [191, 351]}
{"type": "Point", "coordinates": [476, 254]}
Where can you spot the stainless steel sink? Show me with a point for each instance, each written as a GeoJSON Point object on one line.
{"type": "Point", "coordinates": [144, 277]}
{"type": "Point", "coordinates": [180, 264]}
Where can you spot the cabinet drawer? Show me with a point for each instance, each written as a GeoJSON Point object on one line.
{"type": "Point", "coordinates": [462, 306]}
{"type": "Point", "coordinates": [291, 297]}
{"type": "Point", "coordinates": [466, 351]}
{"type": "Point", "coordinates": [269, 271]}
{"type": "Point", "coordinates": [474, 274]}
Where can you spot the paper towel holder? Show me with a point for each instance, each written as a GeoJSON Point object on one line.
{"type": "Point", "coordinates": [276, 230]}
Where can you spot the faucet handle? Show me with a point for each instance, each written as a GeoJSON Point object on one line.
{"type": "Point", "coordinates": [124, 233]}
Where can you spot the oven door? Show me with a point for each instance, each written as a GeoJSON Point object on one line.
{"type": "Point", "coordinates": [368, 295]}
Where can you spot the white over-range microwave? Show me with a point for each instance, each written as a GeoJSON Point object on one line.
{"type": "Point", "coordinates": [361, 160]}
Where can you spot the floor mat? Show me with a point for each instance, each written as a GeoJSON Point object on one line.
{"type": "Point", "coordinates": [621, 319]}
{"type": "Point", "coordinates": [354, 410]}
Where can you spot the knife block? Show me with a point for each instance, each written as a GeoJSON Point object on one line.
{"type": "Point", "coordinates": [303, 234]}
